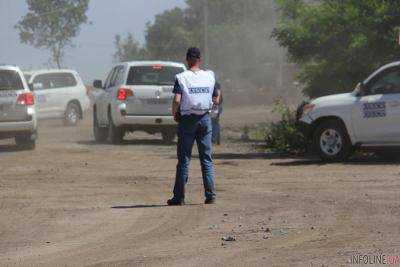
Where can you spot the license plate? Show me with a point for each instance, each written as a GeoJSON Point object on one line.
{"type": "Point", "coordinates": [158, 101]}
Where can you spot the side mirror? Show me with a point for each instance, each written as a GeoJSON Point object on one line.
{"type": "Point", "coordinates": [98, 84]}
{"type": "Point", "coordinates": [360, 89]}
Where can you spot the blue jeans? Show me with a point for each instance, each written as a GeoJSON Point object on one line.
{"type": "Point", "coordinates": [194, 128]}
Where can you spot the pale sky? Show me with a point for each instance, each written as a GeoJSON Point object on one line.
{"type": "Point", "coordinates": [92, 56]}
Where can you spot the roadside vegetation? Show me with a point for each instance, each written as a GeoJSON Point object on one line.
{"type": "Point", "coordinates": [336, 43]}
{"type": "Point", "coordinates": [278, 136]}
{"type": "Point", "coordinates": [283, 136]}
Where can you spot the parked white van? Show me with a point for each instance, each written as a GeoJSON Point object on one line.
{"type": "Point", "coordinates": [59, 94]}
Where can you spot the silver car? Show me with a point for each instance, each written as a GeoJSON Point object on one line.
{"type": "Point", "coordinates": [136, 96]}
{"type": "Point", "coordinates": [17, 108]}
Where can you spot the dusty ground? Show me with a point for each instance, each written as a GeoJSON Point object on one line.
{"type": "Point", "coordinates": [74, 202]}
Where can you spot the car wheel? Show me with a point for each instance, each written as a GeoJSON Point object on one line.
{"type": "Point", "coordinates": [168, 137]}
{"type": "Point", "coordinates": [332, 142]}
{"type": "Point", "coordinates": [100, 133]}
{"type": "Point", "coordinates": [24, 141]}
{"type": "Point", "coordinates": [72, 115]}
{"type": "Point", "coordinates": [115, 133]}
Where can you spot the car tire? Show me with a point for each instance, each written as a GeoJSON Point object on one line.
{"type": "Point", "coordinates": [115, 133]}
{"type": "Point", "coordinates": [100, 133]}
{"type": "Point", "coordinates": [168, 137]}
{"type": "Point", "coordinates": [72, 115]}
{"type": "Point", "coordinates": [332, 141]}
{"type": "Point", "coordinates": [25, 141]}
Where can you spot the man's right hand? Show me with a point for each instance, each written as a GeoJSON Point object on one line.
{"type": "Point", "coordinates": [177, 116]}
{"type": "Point", "coordinates": [176, 107]}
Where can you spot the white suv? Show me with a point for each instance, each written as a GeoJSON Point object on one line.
{"type": "Point", "coordinates": [59, 94]}
{"type": "Point", "coordinates": [17, 108]}
{"type": "Point", "coordinates": [136, 96]}
{"type": "Point", "coordinates": [368, 117]}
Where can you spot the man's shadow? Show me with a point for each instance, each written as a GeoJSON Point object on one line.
{"type": "Point", "coordinates": [145, 142]}
{"type": "Point", "coordinates": [11, 148]}
{"type": "Point", "coordinates": [144, 206]}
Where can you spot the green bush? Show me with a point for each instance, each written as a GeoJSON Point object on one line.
{"type": "Point", "coordinates": [283, 136]}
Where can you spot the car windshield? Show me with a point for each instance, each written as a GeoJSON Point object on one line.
{"type": "Point", "coordinates": [10, 80]}
{"type": "Point", "coordinates": [153, 75]}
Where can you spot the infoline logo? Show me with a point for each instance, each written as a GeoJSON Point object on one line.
{"type": "Point", "coordinates": [370, 259]}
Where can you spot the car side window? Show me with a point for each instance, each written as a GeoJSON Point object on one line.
{"type": "Point", "coordinates": [109, 77]}
{"type": "Point", "coordinates": [116, 77]}
{"type": "Point", "coordinates": [62, 80]}
{"type": "Point", "coordinates": [120, 76]}
{"type": "Point", "coordinates": [112, 81]}
{"type": "Point", "coordinates": [386, 83]}
{"type": "Point", "coordinates": [41, 82]}
{"type": "Point", "coordinates": [54, 81]}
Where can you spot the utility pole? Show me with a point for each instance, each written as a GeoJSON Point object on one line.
{"type": "Point", "coordinates": [8, 36]}
{"type": "Point", "coordinates": [280, 72]}
{"type": "Point", "coordinates": [206, 48]}
{"type": "Point", "coordinates": [281, 58]}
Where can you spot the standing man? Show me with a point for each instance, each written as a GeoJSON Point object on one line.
{"type": "Point", "coordinates": [195, 95]}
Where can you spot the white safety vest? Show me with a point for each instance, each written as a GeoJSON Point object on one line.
{"type": "Point", "coordinates": [197, 91]}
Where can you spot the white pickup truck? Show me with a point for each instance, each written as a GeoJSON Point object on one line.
{"type": "Point", "coordinates": [368, 117]}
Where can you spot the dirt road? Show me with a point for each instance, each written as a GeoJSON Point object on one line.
{"type": "Point", "coordinates": [74, 202]}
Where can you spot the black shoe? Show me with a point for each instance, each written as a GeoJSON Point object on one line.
{"type": "Point", "coordinates": [210, 201]}
{"type": "Point", "coordinates": [175, 202]}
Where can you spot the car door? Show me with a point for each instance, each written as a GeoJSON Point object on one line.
{"type": "Point", "coordinates": [42, 91]}
{"type": "Point", "coordinates": [376, 115]}
{"type": "Point", "coordinates": [62, 92]}
{"type": "Point", "coordinates": [115, 83]}
{"type": "Point", "coordinates": [104, 99]}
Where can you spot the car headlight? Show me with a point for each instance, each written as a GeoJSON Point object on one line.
{"type": "Point", "coordinates": [308, 108]}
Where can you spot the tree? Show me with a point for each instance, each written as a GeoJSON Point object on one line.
{"type": "Point", "coordinates": [52, 24]}
{"type": "Point", "coordinates": [338, 43]}
{"type": "Point", "coordinates": [128, 49]}
{"type": "Point", "coordinates": [238, 37]}
{"type": "Point", "coordinates": [169, 35]}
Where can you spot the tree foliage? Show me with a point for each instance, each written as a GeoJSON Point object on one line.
{"type": "Point", "coordinates": [338, 43]}
{"type": "Point", "coordinates": [283, 136]}
{"type": "Point", "coordinates": [238, 33]}
{"type": "Point", "coordinates": [128, 48]}
{"type": "Point", "coordinates": [166, 37]}
{"type": "Point", "coordinates": [52, 24]}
